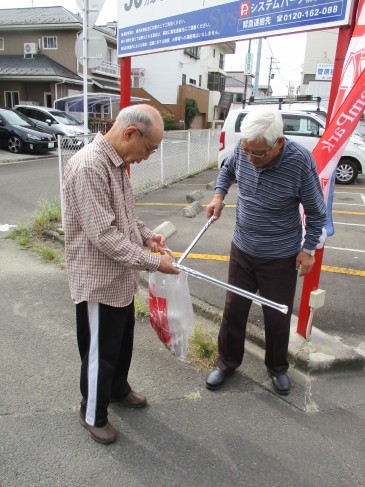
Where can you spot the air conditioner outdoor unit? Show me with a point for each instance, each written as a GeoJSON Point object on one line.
{"type": "Point", "coordinates": [30, 48]}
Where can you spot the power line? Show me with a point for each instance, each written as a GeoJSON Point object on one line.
{"type": "Point", "coordinates": [287, 84]}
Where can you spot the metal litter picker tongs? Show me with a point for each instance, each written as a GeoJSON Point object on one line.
{"type": "Point", "coordinates": [246, 294]}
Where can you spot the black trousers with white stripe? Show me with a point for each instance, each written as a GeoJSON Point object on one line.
{"type": "Point", "coordinates": [105, 340]}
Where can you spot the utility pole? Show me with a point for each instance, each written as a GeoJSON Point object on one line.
{"type": "Point", "coordinates": [271, 76]}
{"type": "Point", "coordinates": [257, 71]}
{"type": "Point", "coordinates": [245, 91]}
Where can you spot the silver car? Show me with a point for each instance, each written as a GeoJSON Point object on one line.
{"type": "Point", "coordinates": [55, 121]}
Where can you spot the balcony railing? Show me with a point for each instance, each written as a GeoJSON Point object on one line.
{"type": "Point", "coordinates": [108, 68]}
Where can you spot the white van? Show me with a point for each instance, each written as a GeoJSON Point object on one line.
{"type": "Point", "coordinates": [305, 128]}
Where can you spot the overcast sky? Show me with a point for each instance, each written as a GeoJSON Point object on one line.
{"type": "Point", "coordinates": [287, 51]}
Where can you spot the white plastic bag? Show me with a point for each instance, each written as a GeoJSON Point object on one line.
{"type": "Point", "coordinates": [171, 310]}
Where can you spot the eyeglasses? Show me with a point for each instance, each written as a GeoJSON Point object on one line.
{"type": "Point", "coordinates": [148, 148]}
{"type": "Point", "coordinates": [259, 155]}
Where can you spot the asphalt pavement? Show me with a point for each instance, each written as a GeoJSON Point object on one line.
{"type": "Point", "coordinates": [242, 435]}
{"type": "Point", "coordinates": [337, 342]}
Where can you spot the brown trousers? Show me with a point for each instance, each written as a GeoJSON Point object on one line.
{"type": "Point", "coordinates": [276, 280]}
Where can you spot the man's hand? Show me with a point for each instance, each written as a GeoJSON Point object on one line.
{"type": "Point", "coordinates": [215, 206]}
{"type": "Point", "coordinates": [157, 243]}
{"type": "Point", "coordinates": [167, 265]}
{"type": "Point", "coordinates": [304, 263]}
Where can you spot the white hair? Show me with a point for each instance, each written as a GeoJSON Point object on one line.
{"type": "Point", "coordinates": [263, 125]}
{"type": "Point", "coordinates": [137, 115]}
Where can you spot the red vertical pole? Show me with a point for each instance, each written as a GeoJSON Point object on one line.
{"type": "Point", "coordinates": [311, 280]}
{"type": "Point", "coordinates": [125, 86]}
{"type": "Point", "coordinates": [125, 82]}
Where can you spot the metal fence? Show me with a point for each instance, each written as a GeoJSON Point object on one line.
{"type": "Point", "coordinates": [181, 154]}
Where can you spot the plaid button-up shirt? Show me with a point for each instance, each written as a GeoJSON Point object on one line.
{"type": "Point", "coordinates": [103, 236]}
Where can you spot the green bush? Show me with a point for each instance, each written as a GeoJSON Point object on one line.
{"type": "Point", "coordinates": [170, 122]}
{"type": "Point", "coordinates": [191, 111]}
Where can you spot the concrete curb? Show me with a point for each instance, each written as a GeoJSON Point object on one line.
{"type": "Point", "coordinates": [323, 353]}
{"type": "Point", "coordinates": [50, 234]}
{"type": "Point", "coordinates": [8, 157]}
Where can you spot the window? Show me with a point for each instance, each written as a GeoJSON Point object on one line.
{"type": "Point", "coordinates": [291, 125]}
{"type": "Point", "coordinates": [135, 81]}
{"type": "Point", "coordinates": [28, 112]}
{"type": "Point", "coordinates": [303, 126]}
{"type": "Point", "coordinates": [193, 52]}
{"type": "Point", "coordinates": [1, 43]}
{"type": "Point", "coordinates": [49, 42]}
{"type": "Point", "coordinates": [40, 116]}
{"type": "Point", "coordinates": [200, 79]}
{"type": "Point", "coordinates": [192, 81]}
{"type": "Point", "coordinates": [111, 56]}
{"type": "Point", "coordinates": [221, 61]}
{"type": "Point", "coordinates": [308, 77]}
{"type": "Point", "coordinates": [48, 99]}
{"type": "Point", "coordinates": [237, 98]}
{"type": "Point", "coordinates": [216, 82]}
{"type": "Point", "coordinates": [184, 79]}
{"type": "Point", "coordinates": [11, 98]}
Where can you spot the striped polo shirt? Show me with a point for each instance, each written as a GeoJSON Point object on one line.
{"type": "Point", "coordinates": [268, 221]}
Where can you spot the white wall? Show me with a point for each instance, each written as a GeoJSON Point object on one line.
{"type": "Point", "coordinates": [163, 71]}
{"type": "Point", "coordinates": [162, 75]}
{"type": "Point", "coordinates": [320, 48]}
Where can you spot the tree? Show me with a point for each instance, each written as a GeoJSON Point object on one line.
{"type": "Point", "coordinates": [191, 111]}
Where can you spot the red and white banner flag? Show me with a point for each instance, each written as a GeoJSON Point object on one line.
{"type": "Point", "coordinates": [347, 110]}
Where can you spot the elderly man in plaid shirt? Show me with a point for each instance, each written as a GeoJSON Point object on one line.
{"type": "Point", "coordinates": [104, 251]}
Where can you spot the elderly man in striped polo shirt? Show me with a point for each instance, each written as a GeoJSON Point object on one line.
{"type": "Point", "coordinates": [274, 176]}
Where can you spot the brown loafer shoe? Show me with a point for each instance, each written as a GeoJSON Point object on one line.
{"type": "Point", "coordinates": [131, 400]}
{"type": "Point", "coordinates": [106, 434]}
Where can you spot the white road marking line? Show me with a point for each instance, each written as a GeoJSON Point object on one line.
{"type": "Point", "coordinates": [350, 224]}
{"type": "Point", "coordinates": [342, 248]}
{"type": "Point", "coordinates": [6, 227]}
{"type": "Point", "coordinates": [350, 204]}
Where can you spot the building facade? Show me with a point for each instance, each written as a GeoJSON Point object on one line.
{"type": "Point", "coordinates": [39, 65]}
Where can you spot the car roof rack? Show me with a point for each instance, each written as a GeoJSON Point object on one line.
{"type": "Point", "coordinates": [284, 100]}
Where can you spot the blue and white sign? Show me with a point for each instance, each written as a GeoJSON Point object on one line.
{"type": "Point", "coordinates": [146, 26]}
{"type": "Point", "coordinates": [324, 71]}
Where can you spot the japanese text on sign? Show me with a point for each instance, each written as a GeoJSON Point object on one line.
{"type": "Point", "coordinates": [227, 21]}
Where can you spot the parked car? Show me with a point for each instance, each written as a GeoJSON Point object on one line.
{"type": "Point", "coordinates": [305, 128]}
{"type": "Point", "coordinates": [56, 121]}
{"type": "Point", "coordinates": [18, 133]}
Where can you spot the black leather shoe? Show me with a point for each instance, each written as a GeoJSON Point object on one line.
{"type": "Point", "coordinates": [216, 378]}
{"type": "Point", "coordinates": [281, 384]}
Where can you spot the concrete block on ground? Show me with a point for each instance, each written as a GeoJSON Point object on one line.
{"type": "Point", "coordinates": [322, 353]}
{"type": "Point", "coordinates": [166, 229]}
{"type": "Point", "coordinates": [192, 210]}
{"type": "Point", "coordinates": [194, 196]}
{"type": "Point", "coordinates": [211, 185]}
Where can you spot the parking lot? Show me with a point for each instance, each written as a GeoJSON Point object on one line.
{"type": "Point", "coordinates": [343, 266]}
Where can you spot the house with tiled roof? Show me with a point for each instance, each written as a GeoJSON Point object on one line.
{"type": "Point", "coordinates": [38, 63]}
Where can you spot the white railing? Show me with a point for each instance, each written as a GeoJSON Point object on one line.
{"type": "Point", "coordinates": [181, 154]}
{"type": "Point", "coordinates": [107, 68]}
